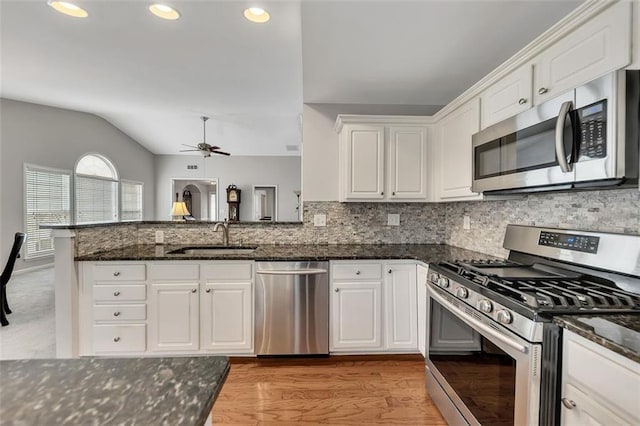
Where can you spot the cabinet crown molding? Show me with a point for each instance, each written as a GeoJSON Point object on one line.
{"type": "Point", "coordinates": [409, 120]}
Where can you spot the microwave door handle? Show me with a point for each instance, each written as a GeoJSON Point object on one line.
{"type": "Point", "coordinates": [561, 155]}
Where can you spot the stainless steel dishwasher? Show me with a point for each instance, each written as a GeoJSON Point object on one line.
{"type": "Point", "coordinates": [292, 308]}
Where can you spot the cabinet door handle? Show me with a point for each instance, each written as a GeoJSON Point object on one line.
{"type": "Point", "coordinates": [393, 193]}
{"type": "Point", "coordinates": [116, 339]}
{"type": "Point", "coordinates": [568, 403]}
{"type": "Point", "coordinates": [337, 290]}
{"type": "Point", "coordinates": [522, 101]}
{"type": "Point", "coordinates": [358, 272]}
{"type": "Point", "coordinates": [193, 290]}
{"type": "Point", "coordinates": [389, 271]}
{"type": "Point", "coordinates": [382, 193]}
{"type": "Point", "coordinates": [116, 274]}
{"type": "Point", "coordinates": [542, 90]}
{"type": "Point", "coordinates": [116, 314]}
{"type": "Point", "coordinates": [208, 290]}
{"type": "Point", "coordinates": [116, 293]}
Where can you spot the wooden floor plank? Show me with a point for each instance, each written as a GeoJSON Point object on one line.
{"type": "Point", "coordinates": [346, 390]}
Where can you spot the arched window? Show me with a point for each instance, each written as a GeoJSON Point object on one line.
{"type": "Point", "coordinates": [96, 190]}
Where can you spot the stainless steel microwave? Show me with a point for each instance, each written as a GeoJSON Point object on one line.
{"type": "Point", "coordinates": [586, 138]}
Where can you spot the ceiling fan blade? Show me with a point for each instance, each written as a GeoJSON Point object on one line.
{"type": "Point", "coordinates": [213, 148]}
{"type": "Point", "coordinates": [190, 146]}
{"type": "Point", "coordinates": [220, 152]}
{"type": "Point", "coordinates": [189, 150]}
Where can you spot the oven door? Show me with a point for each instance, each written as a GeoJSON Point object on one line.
{"type": "Point", "coordinates": [494, 380]}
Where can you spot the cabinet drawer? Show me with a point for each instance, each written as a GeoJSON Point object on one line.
{"type": "Point", "coordinates": [119, 293]}
{"type": "Point", "coordinates": [119, 312]}
{"type": "Point", "coordinates": [119, 338]}
{"type": "Point", "coordinates": [356, 271]}
{"type": "Point", "coordinates": [174, 271]}
{"type": "Point", "coordinates": [228, 271]}
{"type": "Point", "coordinates": [119, 272]}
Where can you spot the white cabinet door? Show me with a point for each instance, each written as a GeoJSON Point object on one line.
{"type": "Point", "coordinates": [423, 273]}
{"type": "Point", "coordinates": [407, 163]}
{"type": "Point", "coordinates": [601, 45]}
{"type": "Point", "coordinates": [174, 318]}
{"type": "Point", "coordinates": [587, 411]}
{"type": "Point", "coordinates": [401, 307]}
{"type": "Point", "coordinates": [363, 173]}
{"type": "Point", "coordinates": [356, 316]}
{"type": "Point", "coordinates": [455, 153]}
{"type": "Point", "coordinates": [226, 320]}
{"type": "Point", "coordinates": [509, 96]}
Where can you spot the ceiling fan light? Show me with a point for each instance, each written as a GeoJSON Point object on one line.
{"type": "Point", "coordinates": [165, 12]}
{"type": "Point", "coordinates": [257, 15]}
{"type": "Point", "coordinates": [67, 8]}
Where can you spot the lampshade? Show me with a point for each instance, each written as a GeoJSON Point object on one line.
{"type": "Point", "coordinates": [179, 209]}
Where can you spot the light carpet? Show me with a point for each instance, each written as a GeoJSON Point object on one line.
{"type": "Point", "coordinates": [31, 332]}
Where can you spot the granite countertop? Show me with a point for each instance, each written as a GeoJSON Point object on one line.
{"type": "Point", "coordinates": [177, 224]}
{"type": "Point", "coordinates": [427, 253]}
{"type": "Point", "coordinates": [113, 391]}
{"type": "Point", "coordinates": [617, 332]}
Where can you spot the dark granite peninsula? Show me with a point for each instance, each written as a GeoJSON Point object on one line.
{"type": "Point", "coordinates": [619, 333]}
{"type": "Point", "coordinates": [111, 391]}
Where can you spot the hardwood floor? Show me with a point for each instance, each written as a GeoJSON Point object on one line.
{"type": "Point", "coordinates": [341, 390]}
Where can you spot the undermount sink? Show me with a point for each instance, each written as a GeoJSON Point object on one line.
{"type": "Point", "coordinates": [214, 250]}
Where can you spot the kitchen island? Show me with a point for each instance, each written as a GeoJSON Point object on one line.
{"type": "Point", "coordinates": [114, 391]}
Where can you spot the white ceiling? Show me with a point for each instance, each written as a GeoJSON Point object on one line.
{"type": "Point", "coordinates": [153, 78]}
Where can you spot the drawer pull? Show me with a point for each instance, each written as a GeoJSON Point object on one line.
{"type": "Point", "coordinates": [522, 101]}
{"type": "Point", "coordinates": [193, 290]}
{"type": "Point", "coordinates": [116, 274]}
{"type": "Point", "coordinates": [337, 290]}
{"type": "Point", "coordinates": [358, 272]}
{"type": "Point", "coordinates": [208, 290]}
{"type": "Point", "coordinates": [116, 339]}
{"type": "Point", "coordinates": [568, 403]}
{"type": "Point", "coordinates": [116, 293]}
{"type": "Point", "coordinates": [542, 90]}
{"type": "Point", "coordinates": [116, 314]}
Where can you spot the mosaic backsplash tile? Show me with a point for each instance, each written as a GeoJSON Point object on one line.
{"type": "Point", "coordinates": [420, 223]}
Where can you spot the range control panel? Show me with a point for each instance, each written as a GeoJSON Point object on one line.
{"type": "Point", "coordinates": [574, 242]}
{"type": "Point", "coordinates": [593, 130]}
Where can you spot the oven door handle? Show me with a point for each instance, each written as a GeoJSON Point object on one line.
{"type": "Point", "coordinates": [474, 323]}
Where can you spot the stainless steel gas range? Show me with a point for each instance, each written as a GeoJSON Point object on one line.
{"type": "Point", "coordinates": [493, 352]}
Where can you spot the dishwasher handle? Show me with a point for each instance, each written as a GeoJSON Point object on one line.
{"type": "Point", "coordinates": [309, 271]}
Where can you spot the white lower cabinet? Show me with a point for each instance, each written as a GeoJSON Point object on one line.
{"type": "Point", "coordinates": [375, 313]}
{"type": "Point", "coordinates": [226, 319]}
{"type": "Point", "coordinates": [174, 317]}
{"type": "Point", "coordinates": [599, 386]}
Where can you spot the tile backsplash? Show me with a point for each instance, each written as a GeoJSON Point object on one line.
{"type": "Point", "coordinates": [420, 223]}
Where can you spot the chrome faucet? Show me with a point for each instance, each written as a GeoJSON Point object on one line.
{"type": "Point", "coordinates": [225, 231]}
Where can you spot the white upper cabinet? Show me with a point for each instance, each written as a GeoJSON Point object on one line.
{"type": "Point", "coordinates": [508, 97]}
{"type": "Point", "coordinates": [382, 158]}
{"type": "Point", "coordinates": [601, 45]}
{"type": "Point", "coordinates": [454, 152]}
{"type": "Point", "coordinates": [363, 168]}
{"type": "Point", "coordinates": [407, 163]}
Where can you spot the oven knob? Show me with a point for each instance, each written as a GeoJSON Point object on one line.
{"type": "Point", "coordinates": [486, 306]}
{"type": "Point", "coordinates": [505, 317]}
{"type": "Point", "coordinates": [443, 282]}
{"type": "Point", "coordinates": [434, 277]}
{"type": "Point", "coordinates": [462, 293]}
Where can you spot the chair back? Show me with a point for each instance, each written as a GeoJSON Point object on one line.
{"type": "Point", "coordinates": [15, 252]}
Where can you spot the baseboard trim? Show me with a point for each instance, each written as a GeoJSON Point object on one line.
{"type": "Point", "coordinates": [32, 269]}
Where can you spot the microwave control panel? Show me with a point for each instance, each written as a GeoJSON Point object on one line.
{"type": "Point", "coordinates": [574, 242]}
{"type": "Point", "coordinates": [593, 130]}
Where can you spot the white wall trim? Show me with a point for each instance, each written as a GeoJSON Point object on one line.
{"type": "Point", "coordinates": [579, 16]}
{"type": "Point", "coordinates": [32, 268]}
{"type": "Point", "coordinates": [412, 120]}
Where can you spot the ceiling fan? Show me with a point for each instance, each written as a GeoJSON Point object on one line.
{"type": "Point", "coordinates": [204, 148]}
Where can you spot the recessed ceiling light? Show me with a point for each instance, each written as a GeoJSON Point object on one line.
{"type": "Point", "coordinates": [165, 12]}
{"type": "Point", "coordinates": [257, 15]}
{"type": "Point", "coordinates": [68, 8]}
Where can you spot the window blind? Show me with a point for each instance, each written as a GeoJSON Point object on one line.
{"type": "Point", "coordinates": [131, 201]}
{"type": "Point", "coordinates": [48, 201]}
{"type": "Point", "coordinates": [96, 200]}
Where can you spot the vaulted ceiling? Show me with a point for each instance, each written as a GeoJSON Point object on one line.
{"type": "Point", "coordinates": [153, 79]}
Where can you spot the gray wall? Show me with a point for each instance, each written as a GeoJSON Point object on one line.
{"type": "Point", "coordinates": [244, 172]}
{"type": "Point", "coordinates": [54, 137]}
